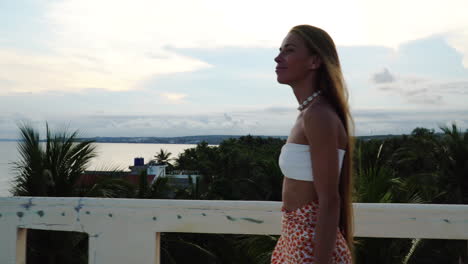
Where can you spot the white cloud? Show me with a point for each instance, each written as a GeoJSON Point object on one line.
{"type": "Point", "coordinates": [422, 91]}
{"type": "Point", "coordinates": [458, 39]}
{"type": "Point", "coordinates": [81, 69]}
{"type": "Point", "coordinates": [108, 28]}
{"type": "Point", "coordinates": [383, 77]}
{"type": "Point", "coordinates": [174, 97]}
{"type": "Point", "coordinates": [117, 45]}
{"type": "Point", "coordinates": [94, 44]}
{"type": "Point", "coordinates": [372, 121]}
{"type": "Point", "coordinates": [201, 23]}
{"type": "Point", "coordinates": [391, 23]}
{"type": "Point", "coordinates": [384, 121]}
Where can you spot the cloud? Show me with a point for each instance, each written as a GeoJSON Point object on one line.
{"type": "Point", "coordinates": [428, 91]}
{"type": "Point", "coordinates": [174, 97]}
{"type": "Point", "coordinates": [418, 90]}
{"type": "Point", "coordinates": [383, 77]}
{"type": "Point", "coordinates": [117, 45]}
{"type": "Point", "coordinates": [459, 40]}
{"type": "Point", "coordinates": [455, 87]}
{"type": "Point", "coordinates": [279, 110]}
{"type": "Point", "coordinates": [371, 121]}
{"type": "Point", "coordinates": [411, 20]}
{"type": "Point", "coordinates": [114, 70]}
{"type": "Point", "coordinates": [403, 121]}
{"type": "Point", "coordinates": [427, 99]}
{"type": "Point", "coordinates": [414, 94]}
{"type": "Point", "coordinates": [228, 117]}
{"type": "Point", "coordinates": [175, 125]}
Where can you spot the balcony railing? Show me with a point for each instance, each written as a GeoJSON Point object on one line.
{"type": "Point", "coordinates": [123, 231]}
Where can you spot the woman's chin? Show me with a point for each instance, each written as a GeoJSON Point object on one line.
{"type": "Point", "coordinates": [281, 80]}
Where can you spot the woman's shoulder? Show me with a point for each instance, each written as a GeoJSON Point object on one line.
{"type": "Point", "coordinates": [322, 123]}
{"type": "Point", "coordinates": [320, 112]}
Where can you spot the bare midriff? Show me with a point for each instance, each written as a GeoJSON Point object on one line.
{"type": "Point", "coordinates": [297, 193]}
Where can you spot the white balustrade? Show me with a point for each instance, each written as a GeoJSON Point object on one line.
{"type": "Point", "coordinates": [123, 231]}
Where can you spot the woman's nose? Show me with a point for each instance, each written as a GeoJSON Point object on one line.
{"type": "Point", "coordinates": [277, 58]}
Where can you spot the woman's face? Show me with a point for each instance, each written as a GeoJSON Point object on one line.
{"type": "Point", "coordinates": [294, 61]}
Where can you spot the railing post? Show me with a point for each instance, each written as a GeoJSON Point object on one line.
{"type": "Point", "coordinates": [12, 244]}
{"type": "Point", "coordinates": [21, 239]}
{"type": "Point", "coordinates": [466, 256]}
{"type": "Point", "coordinates": [158, 249]}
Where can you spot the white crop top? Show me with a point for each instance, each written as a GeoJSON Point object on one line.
{"type": "Point", "coordinates": [295, 161]}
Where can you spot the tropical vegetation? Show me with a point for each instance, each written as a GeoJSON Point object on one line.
{"type": "Point", "coordinates": [53, 168]}
{"type": "Point", "coordinates": [422, 167]}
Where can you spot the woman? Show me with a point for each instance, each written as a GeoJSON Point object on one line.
{"type": "Point", "coordinates": [316, 159]}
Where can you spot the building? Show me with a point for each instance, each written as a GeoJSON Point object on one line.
{"type": "Point", "coordinates": [177, 179]}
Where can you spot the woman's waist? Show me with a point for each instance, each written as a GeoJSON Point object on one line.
{"type": "Point", "coordinates": [296, 198]}
{"type": "Point", "coordinates": [294, 205]}
{"type": "Point", "coordinates": [298, 192]}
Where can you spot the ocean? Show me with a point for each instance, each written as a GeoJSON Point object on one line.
{"type": "Point", "coordinates": [110, 156]}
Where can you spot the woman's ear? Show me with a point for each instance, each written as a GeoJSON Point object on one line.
{"type": "Point", "coordinates": [315, 62]}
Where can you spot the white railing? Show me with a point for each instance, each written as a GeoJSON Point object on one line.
{"type": "Point", "coordinates": [123, 231]}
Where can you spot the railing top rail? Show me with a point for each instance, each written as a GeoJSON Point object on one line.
{"type": "Point", "coordinates": [207, 204]}
{"type": "Point", "coordinates": [236, 217]}
{"type": "Point", "coordinates": [123, 230]}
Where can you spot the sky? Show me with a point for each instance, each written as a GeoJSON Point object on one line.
{"type": "Point", "coordinates": [205, 67]}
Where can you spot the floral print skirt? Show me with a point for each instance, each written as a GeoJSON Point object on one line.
{"type": "Point", "coordinates": [296, 243]}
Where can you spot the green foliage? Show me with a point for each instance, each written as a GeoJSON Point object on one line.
{"type": "Point", "coordinates": [423, 167]}
{"type": "Point", "coordinates": [454, 155]}
{"type": "Point", "coordinates": [53, 169]}
{"type": "Point", "coordinates": [201, 248]}
{"type": "Point", "coordinates": [373, 179]}
{"type": "Point", "coordinates": [238, 169]}
{"type": "Point", "coordinates": [163, 157]}
{"type": "Point", "coordinates": [257, 248]}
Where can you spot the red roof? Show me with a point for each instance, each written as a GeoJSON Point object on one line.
{"type": "Point", "coordinates": [90, 178]}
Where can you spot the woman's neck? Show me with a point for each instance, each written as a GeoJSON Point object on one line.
{"type": "Point", "coordinates": [305, 88]}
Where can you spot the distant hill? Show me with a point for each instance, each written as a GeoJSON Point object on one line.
{"type": "Point", "coordinates": [210, 139]}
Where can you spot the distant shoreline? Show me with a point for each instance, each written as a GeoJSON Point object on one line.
{"type": "Point", "coordinates": [210, 139]}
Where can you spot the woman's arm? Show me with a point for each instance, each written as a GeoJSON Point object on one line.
{"type": "Point", "coordinates": [322, 134]}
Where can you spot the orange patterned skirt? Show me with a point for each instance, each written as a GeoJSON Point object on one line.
{"type": "Point", "coordinates": [296, 243]}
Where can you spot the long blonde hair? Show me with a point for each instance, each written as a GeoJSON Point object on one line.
{"type": "Point", "coordinates": [333, 87]}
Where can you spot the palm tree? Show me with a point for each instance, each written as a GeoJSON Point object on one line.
{"type": "Point", "coordinates": [373, 181]}
{"type": "Point", "coordinates": [449, 184]}
{"type": "Point", "coordinates": [54, 169]}
{"type": "Point", "coordinates": [416, 160]}
{"type": "Point", "coordinates": [423, 167]}
{"type": "Point", "coordinates": [377, 182]}
{"type": "Point", "coordinates": [163, 157]}
{"type": "Point", "coordinates": [455, 164]}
